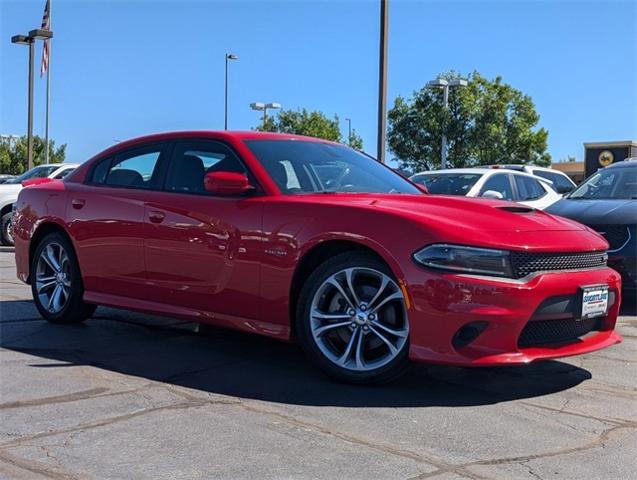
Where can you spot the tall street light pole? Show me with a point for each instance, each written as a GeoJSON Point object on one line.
{"type": "Point", "coordinates": [445, 85]}
{"type": "Point", "coordinates": [382, 79]}
{"type": "Point", "coordinates": [349, 131]}
{"type": "Point", "coordinates": [260, 106]}
{"type": "Point", "coordinates": [229, 56]}
{"type": "Point", "coordinates": [30, 41]}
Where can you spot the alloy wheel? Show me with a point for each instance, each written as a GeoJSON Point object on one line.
{"type": "Point", "coordinates": [53, 278]}
{"type": "Point", "coordinates": [359, 319]}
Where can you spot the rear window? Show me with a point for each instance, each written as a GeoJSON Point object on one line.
{"type": "Point", "coordinates": [559, 181]}
{"type": "Point", "coordinates": [528, 188]}
{"type": "Point", "coordinates": [447, 183]}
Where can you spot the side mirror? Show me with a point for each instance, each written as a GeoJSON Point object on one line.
{"type": "Point", "coordinates": [493, 195]}
{"type": "Point", "coordinates": [564, 189]}
{"type": "Point", "coordinates": [227, 183]}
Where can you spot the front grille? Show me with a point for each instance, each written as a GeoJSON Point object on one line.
{"type": "Point", "coordinates": [539, 333]}
{"type": "Point", "coordinates": [525, 263]}
{"type": "Point", "coordinates": [615, 235]}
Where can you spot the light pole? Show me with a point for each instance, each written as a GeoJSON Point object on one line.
{"type": "Point", "coordinates": [229, 56]}
{"type": "Point", "coordinates": [445, 85]}
{"type": "Point", "coordinates": [30, 41]}
{"type": "Point", "coordinates": [382, 79]}
{"type": "Point", "coordinates": [260, 106]}
{"type": "Point", "coordinates": [349, 131]}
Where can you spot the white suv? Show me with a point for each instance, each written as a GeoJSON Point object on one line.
{"type": "Point", "coordinates": [501, 184]}
{"type": "Point", "coordinates": [561, 182]}
{"type": "Point", "coordinates": [10, 189]}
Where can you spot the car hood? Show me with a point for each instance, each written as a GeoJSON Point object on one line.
{"type": "Point", "coordinates": [458, 212]}
{"type": "Point", "coordinates": [597, 212]}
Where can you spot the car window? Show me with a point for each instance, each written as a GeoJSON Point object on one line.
{"type": "Point", "coordinates": [40, 171]}
{"type": "Point", "coordinates": [133, 169]}
{"type": "Point", "coordinates": [98, 175]}
{"type": "Point", "coordinates": [191, 161]}
{"type": "Point", "coordinates": [560, 182]}
{"type": "Point", "coordinates": [64, 173]}
{"type": "Point", "coordinates": [498, 182]}
{"type": "Point", "coordinates": [300, 167]}
{"type": "Point", "coordinates": [616, 183]}
{"type": "Point", "coordinates": [528, 188]}
{"type": "Point", "coordinates": [447, 183]}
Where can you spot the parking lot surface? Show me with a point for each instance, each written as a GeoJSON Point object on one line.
{"type": "Point", "coordinates": [127, 395]}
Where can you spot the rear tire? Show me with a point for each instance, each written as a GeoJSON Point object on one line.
{"type": "Point", "coordinates": [6, 236]}
{"type": "Point", "coordinates": [351, 320]}
{"type": "Point", "coordinates": [56, 282]}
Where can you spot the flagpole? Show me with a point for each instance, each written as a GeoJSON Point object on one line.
{"type": "Point", "coordinates": [48, 90]}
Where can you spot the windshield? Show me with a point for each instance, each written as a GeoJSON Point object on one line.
{"type": "Point", "coordinates": [36, 172]}
{"type": "Point", "coordinates": [447, 183]}
{"type": "Point", "coordinates": [614, 183]}
{"type": "Point", "coordinates": [300, 167]}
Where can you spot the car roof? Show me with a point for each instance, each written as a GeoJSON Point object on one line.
{"type": "Point", "coordinates": [460, 171]}
{"type": "Point", "coordinates": [628, 163]}
{"type": "Point", "coordinates": [217, 134]}
{"type": "Point", "coordinates": [482, 171]}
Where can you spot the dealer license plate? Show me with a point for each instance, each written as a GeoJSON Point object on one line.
{"type": "Point", "coordinates": [594, 301]}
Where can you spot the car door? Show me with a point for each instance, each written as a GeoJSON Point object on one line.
{"type": "Point", "coordinates": [499, 182]}
{"type": "Point", "coordinates": [202, 251]}
{"type": "Point", "coordinates": [106, 219]}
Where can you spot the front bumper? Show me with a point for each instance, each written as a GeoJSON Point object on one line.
{"type": "Point", "coordinates": [441, 304]}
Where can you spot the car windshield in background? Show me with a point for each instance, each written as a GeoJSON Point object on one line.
{"type": "Point", "coordinates": [447, 183]}
{"type": "Point", "coordinates": [612, 183]}
{"type": "Point", "coordinates": [300, 167]}
{"type": "Point", "coordinates": [37, 172]}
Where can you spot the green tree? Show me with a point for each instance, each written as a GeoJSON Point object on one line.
{"type": "Point", "coordinates": [13, 158]}
{"type": "Point", "coordinates": [355, 140]}
{"type": "Point", "coordinates": [311, 123]}
{"type": "Point", "coordinates": [487, 122]}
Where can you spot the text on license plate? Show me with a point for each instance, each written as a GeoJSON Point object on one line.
{"type": "Point", "coordinates": [594, 301]}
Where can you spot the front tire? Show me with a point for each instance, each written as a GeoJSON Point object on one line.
{"type": "Point", "coordinates": [56, 282]}
{"type": "Point", "coordinates": [351, 320]}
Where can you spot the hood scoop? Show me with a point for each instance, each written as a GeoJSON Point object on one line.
{"type": "Point", "coordinates": [517, 209]}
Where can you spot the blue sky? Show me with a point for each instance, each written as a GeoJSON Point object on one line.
{"type": "Point", "coordinates": [127, 68]}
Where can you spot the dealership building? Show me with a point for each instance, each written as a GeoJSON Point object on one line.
{"type": "Point", "coordinates": [597, 155]}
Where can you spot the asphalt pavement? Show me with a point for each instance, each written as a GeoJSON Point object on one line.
{"type": "Point", "coordinates": [133, 396]}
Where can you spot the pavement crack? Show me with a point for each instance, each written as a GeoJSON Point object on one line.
{"type": "Point", "coordinates": [109, 421]}
{"type": "Point", "coordinates": [69, 397]}
{"type": "Point", "coordinates": [35, 467]}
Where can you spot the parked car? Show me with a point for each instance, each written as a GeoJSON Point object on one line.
{"type": "Point", "coordinates": [607, 203]}
{"type": "Point", "coordinates": [4, 177]}
{"type": "Point", "coordinates": [500, 184]}
{"type": "Point", "coordinates": [560, 182]}
{"type": "Point", "coordinates": [11, 187]}
{"type": "Point", "coordinates": [299, 238]}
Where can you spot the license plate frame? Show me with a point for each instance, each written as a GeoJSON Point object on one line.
{"type": "Point", "coordinates": [596, 305]}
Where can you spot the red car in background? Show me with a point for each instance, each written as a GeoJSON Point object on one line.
{"type": "Point", "coordinates": [299, 238]}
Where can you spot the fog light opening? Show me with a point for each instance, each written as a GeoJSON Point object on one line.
{"type": "Point", "coordinates": [468, 333]}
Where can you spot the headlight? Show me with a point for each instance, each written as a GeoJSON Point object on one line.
{"type": "Point", "coordinates": [457, 258]}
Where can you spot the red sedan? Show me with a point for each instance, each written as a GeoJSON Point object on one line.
{"type": "Point", "coordinates": [299, 238]}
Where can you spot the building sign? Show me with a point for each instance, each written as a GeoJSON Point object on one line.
{"type": "Point", "coordinates": [605, 158]}
{"type": "Point", "coordinates": [602, 154]}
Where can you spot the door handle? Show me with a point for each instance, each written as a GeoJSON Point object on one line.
{"type": "Point", "coordinates": [156, 216]}
{"type": "Point", "coordinates": [78, 203]}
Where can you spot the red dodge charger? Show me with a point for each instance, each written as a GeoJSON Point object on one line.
{"type": "Point", "coordinates": [299, 238]}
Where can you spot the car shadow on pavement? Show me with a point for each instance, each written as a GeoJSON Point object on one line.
{"type": "Point", "coordinates": [247, 366]}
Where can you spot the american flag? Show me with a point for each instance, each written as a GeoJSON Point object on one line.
{"type": "Point", "coordinates": [46, 25]}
